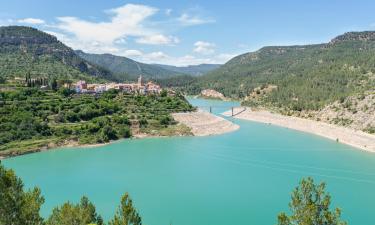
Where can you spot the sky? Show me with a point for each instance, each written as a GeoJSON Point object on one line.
{"type": "Point", "coordinates": [191, 32]}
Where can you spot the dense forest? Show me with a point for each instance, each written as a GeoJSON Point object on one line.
{"type": "Point", "coordinates": [192, 70]}
{"type": "Point", "coordinates": [307, 77]}
{"type": "Point", "coordinates": [124, 68]}
{"type": "Point", "coordinates": [31, 118]}
{"type": "Point", "coordinates": [26, 50]}
{"type": "Point", "coordinates": [310, 204]}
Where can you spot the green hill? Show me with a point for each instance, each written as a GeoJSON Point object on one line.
{"type": "Point", "coordinates": [193, 70]}
{"type": "Point", "coordinates": [26, 50]}
{"type": "Point", "coordinates": [307, 77]}
{"type": "Point", "coordinates": [127, 69]}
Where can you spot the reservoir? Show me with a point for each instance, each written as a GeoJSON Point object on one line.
{"type": "Point", "coordinates": [244, 177]}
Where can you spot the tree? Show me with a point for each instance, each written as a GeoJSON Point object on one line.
{"type": "Point", "coordinates": [164, 93]}
{"type": "Point", "coordinates": [310, 205]}
{"type": "Point", "coordinates": [18, 207]}
{"type": "Point", "coordinates": [108, 133]}
{"type": "Point", "coordinates": [125, 132]}
{"type": "Point", "coordinates": [80, 214]}
{"type": "Point", "coordinates": [53, 84]}
{"type": "Point", "coordinates": [126, 213]}
{"type": "Point", "coordinates": [165, 120]}
{"type": "Point", "coordinates": [66, 92]}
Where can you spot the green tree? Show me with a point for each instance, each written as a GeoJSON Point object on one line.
{"type": "Point", "coordinates": [108, 133]}
{"type": "Point", "coordinates": [18, 207]}
{"type": "Point", "coordinates": [125, 132]}
{"type": "Point", "coordinates": [53, 84]}
{"type": "Point", "coordinates": [310, 205]}
{"type": "Point", "coordinates": [164, 93]}
{"type": "Point", "coordinates": [66, 92]}
{"type": "Point", "coordinates": [126, 213]}
{"type": "Point", "coordinates": [80, 214]}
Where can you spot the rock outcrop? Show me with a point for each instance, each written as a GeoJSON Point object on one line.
{"type": "Point", "coordinates": [209, 93]}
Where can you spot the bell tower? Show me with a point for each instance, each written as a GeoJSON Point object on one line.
{"type": "Point", "coordinates": [140, 81]}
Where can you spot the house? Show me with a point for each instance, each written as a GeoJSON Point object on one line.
{"type": "Point", "coordinates": [100, 88]}
{"type": "Point", "coordinates": [152, 88]}
{"type": "Point", "coordinates": [81, 86]}
{"type": "Point", "coordinates": [140, 87]}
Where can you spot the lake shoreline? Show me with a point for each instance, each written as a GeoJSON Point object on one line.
{"type": "Point", "coordinates": [204, 124]}
{"type": "Point", "coordinates": [355, 138]}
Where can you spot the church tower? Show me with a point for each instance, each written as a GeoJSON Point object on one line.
{"type": "Point", "coordinates": [140, 81]}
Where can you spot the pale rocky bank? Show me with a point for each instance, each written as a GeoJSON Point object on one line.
{"type": "Point", "coordinates": [204, 124]}
{"type": "Point", "coordinates": [209, 93]}
{"type": "Point", "coordinates": [355, 138]}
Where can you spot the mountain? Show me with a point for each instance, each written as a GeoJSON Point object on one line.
{"type": "Point", "coordinates": [194, 70]}
{"type": "Point", "coordinates": [125, 68]}
{"type": "Point", "coordinates": [306, 77]}
{"type": "Point", "coordinates": [26, 50]}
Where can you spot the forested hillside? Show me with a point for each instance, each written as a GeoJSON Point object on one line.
{"type": "Point", "coordinates": [193, 70]}
{"type": "Point", "coordinates": [25, 50]}
{"type": "Point", "coordinates": [127, 69]}
{"type": "Point", "coordinates": [306, 77]}
{"type": "Point", "coordinates": [31, 119]}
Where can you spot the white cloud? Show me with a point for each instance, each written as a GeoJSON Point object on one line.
{"type": "Point", "coordinates": [132, 53]}
{"type": "Point", "coordinates": [130, 20]}
{"type": "Point", "coordinates": [190, 20]}
{"type": "Point", "coordinates": [163, 58]}
{"type": "Point", "coordinates": [157, 56]}
{"type": "Point", "coordinates": [125, 21]}
{"type": "Point", "coordinates": [121, 41]}
{"type": "Point", "coordinates": [205, 48]}
{"type": "Point", "coordinates": [32, 21]}
{"type": "Point", "coordinates": [158, 39]}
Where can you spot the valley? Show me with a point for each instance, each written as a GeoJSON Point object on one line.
{"type": "Point", "coordinates": [202, 119]}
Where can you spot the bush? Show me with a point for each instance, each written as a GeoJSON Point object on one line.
{"type": "Point", "coordinates": [108, 133]}
{"type": "Point", "coordinates": [125, 132]}
{"type": "Point", "coordinates": [165, 120]}
{"type": "Point", "coordinates": [66, 91]}
{"type": "Point", "coordinates": [71, 117]}
{"type": "Point", "coordinates": [143, 123]}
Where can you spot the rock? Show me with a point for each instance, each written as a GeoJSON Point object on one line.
{"type": "Point", "coordinates": [209, 93]}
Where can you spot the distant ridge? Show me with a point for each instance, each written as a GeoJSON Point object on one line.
{"type": "Point", "coordinates": [124, 68]}
{"type": "Point", "coordinates": [193, 70]}
{"type": "Point", "coordinates": [355, 36]}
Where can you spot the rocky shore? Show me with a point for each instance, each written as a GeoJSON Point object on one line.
{"type": "Point", "coordinates": [355, 138]}
{"type": "Point", "coordinates": [204, 124]}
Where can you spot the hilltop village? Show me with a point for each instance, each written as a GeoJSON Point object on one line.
{"type": "Point", "coordinates": [140, 87]}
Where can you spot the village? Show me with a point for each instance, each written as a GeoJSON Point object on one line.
{"type": "Point", "coordinates": [140, 87]}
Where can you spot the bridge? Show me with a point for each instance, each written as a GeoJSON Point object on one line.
{"type": "Point", "coordinates": [234, 110]}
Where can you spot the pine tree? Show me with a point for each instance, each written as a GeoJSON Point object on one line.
{"type": "Point", "coordinates": [311, 205]}
{"type": "Point", "coordinates": [126, 214]}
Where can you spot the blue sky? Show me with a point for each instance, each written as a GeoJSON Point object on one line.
{"type": "Point", "coordinates": [188, 32]}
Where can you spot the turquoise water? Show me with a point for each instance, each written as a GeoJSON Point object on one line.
{"type": "Point", "coordinates": [244, 177]}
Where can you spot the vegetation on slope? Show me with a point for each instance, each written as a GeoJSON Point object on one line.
{"type": "Point", "coordinates": [193, 70]}
{"type": "Point", "coordinates": [124, 68]}
{"type": "Point", "coordinates": [127, 69]}
{"type": "Point", "coordinates": [31, 119]}
{"type": "Point", "coordinates": [25, 50]}
{"type": "Point", "coordinates": [307, 77]}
